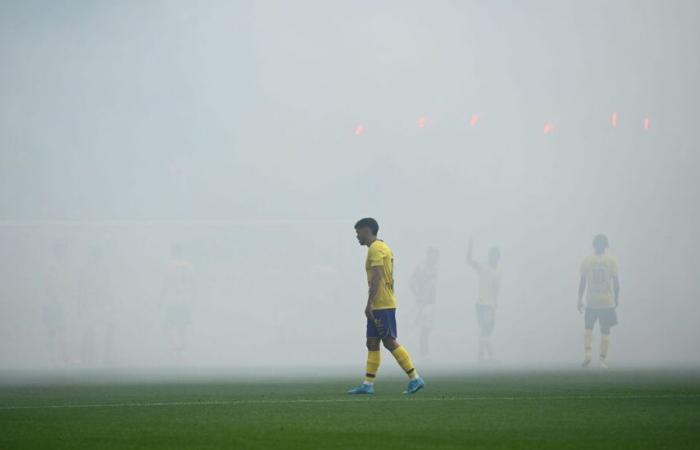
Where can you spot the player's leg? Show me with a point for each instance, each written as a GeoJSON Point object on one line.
{"type": "Point", "coordinates": [386, 324]}
{"type": "Point", "coordinates": [604, 345]}
{"type": "Point", "coordinates": [487, 331]}
{"type": "Point", "coordinates": [426, 326]}
{"type": "Point", "coordinates": [482, 322]}
{"type": "Point", "coordinates": [402, 356]}
{"type": "Point", "coordinates": [608, 320]}
{"type": "Point", "coordinates": [373, 361]}
{"type": "Point", "coordinates": [590, 317]}
{"type": "Point", "coordinates": [424, 332]}
{"type": "Point", "coordinates": [180, 342]}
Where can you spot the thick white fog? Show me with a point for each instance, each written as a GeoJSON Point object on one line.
{"type": "Point", "coordinates": [218, 154]}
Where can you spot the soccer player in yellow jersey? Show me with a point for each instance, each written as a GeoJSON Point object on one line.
{"type": "Point", "coordinates": [486, 304]}
{"type": "Point", "coordinates": [381, 310]}
{"type": "Point", "coordinates": [600, 282]}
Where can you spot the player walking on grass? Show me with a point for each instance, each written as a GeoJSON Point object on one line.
{"type": "Point", "coordinates": [381, 310]}
{"type": "Point", "coordinates": [487, 302]}
{"type": "Point", "coordinates": [599, 276]}
{"type": "Point", "coordinates": [424, 288]}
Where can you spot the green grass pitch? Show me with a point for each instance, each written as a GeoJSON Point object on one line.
{"type": "Point", "coordinates": [509, 410]}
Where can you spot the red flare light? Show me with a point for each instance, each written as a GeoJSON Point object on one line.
{"type": "Point", "coordinates": [613, 120]}
{"type": "Point", "coordinates": [422, 121]}
{"type": "Point", "coordinates": [474, 119]}
{"type": "Point", "coordinates": [548, 127]}
{"type": "Point", "coordinates": [359, 130]}
{"type": "Point", "coordinates": [645, 123]}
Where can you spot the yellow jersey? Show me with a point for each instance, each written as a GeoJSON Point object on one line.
{"type": "Point", "coordinates": [489, 278]}
{"type": "Point", "coordinates": [379, 254]}
{"type": "Point", "coordinates": [599, 271]}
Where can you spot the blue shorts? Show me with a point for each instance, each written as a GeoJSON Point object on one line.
{"type": "Point", "coordinates": [384, 324]}
{"type": "Point", "coordinates": [607, 317]}
{"type": "Point", "coordinates": [486, 317]}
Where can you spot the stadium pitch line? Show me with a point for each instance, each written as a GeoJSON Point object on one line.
{"type": "Point", "coordinates": [353, 400]}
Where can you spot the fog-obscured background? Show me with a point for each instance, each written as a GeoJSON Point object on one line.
{"type": "Point", "coordinates": [252, 135]}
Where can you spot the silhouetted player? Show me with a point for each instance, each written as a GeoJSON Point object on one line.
{"type": "Point", "coordinates": [424, 288]}
{"type": "Point", "coordinates": [487, 302]}
{"type": "Point", "coordinates": [600, 282]}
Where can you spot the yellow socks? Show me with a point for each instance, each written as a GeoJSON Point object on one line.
{"type": "Point", "coordinates": [604, 344]}
{"type": "Point", "coordinates": [588, 343]}
{"type": "Point", "coordinates": [373, 359]}
{"type": "Point", "coordinates": [404, 360]}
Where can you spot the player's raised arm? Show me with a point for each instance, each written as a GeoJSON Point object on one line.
{"type": "Point", "coordinates": [470, 255]}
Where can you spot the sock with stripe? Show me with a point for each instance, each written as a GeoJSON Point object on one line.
{"type": "Point", "coordinates": [404, 360]}
{"type": "Point", "coordinates": [373, 360]}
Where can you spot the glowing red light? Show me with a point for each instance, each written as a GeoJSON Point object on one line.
{"type": "Point", "coordinates": [359, 130]}
{"type": "Point", "coordinates": [422, 121]}
{"type": "Point", "coordinates": [645, 123]}
{"type": "Point", "coordinates": [613, 120]}
{"type": "Point", "coordinates": [548, 127]}
{"type": "Point", "coordinates": [474, 119]}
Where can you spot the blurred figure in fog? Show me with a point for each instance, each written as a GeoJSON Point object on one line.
{"type": "Point", "coordinates": [177, 301]}
{"type": "Point", "coordinates": [56, 301]}
{"type": "Point", "coordinates": [599, 280]}
{"type": "Point", "coordinates": [96, 310]}
{"type": "Point", "coordinates": [424, 286]}
{"type": "Point", "coordinates": [487, 302]}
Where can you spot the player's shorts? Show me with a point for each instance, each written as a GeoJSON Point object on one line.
{"type": "Point", "coordinates": [178, 316]}
{"type": "Point", "coordinates": [606, 316]}
{"type": "Point", "coordinates": [384, 324]}
{"type": "Point", "coordinates": [486, 318]}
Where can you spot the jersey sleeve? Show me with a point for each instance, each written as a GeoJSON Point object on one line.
{"type": "Point", "coordinates": [613, 266]}
{"type": "Point", "coordinates": [375, 256]}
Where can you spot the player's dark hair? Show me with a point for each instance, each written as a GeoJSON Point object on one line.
{"type": "Point", "coordinates": [600, 241]}
{"type": "Point", "coordinates": [368, 222]}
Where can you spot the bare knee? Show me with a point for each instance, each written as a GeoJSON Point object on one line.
{"type": "Point", "coordinates": [372, 344]}
{"type": "Point", "coordinates": [390, 343]}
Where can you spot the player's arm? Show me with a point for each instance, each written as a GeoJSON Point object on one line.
{"type": "Point", "coordinates": [377, 276]}
{"type": "Point", "coordinates": [581, 291]}
{"type": "Point", "coordinates": [616, 282]}
{"type": "Point", "coordinates": [496, 290]}
{"type": "Point", "coordinates": [470, 255]}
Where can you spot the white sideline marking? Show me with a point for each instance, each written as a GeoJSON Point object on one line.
{"type": "Point", "coordinates": [348, 400]}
